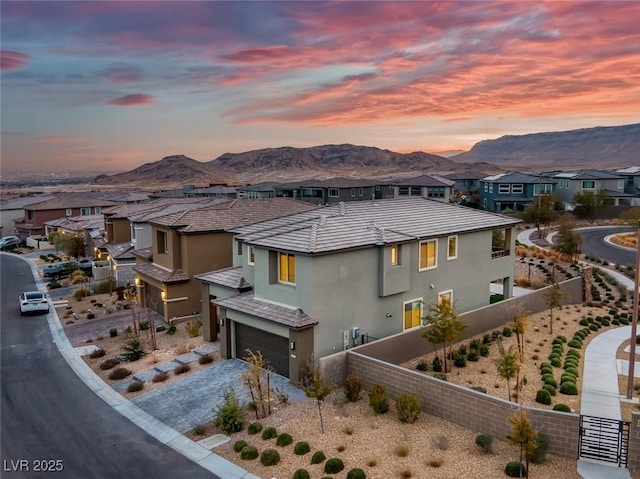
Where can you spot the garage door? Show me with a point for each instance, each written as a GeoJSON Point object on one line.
{"type": "Point", "coordinates": [274, 349]}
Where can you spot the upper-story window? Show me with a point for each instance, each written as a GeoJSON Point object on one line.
{"type": "Point", "coordinates": [68, 212]}
{"type": "Point", "coordinates": [334, 193]}
{"type": "Point", "coordinates": [504, 189]}
{"type": "Point", "coordinates": [588, 184]}
{"type": "Point", "coordinates": [360, 192]}
{"type": "Point", "coordinates": [428, 254]}
{"type": "Point", "coordinates": [251, 257]}
{"type": "Point", "coordinates": [517, 189]}
{"type": "Point", "coordinates": [486, 187]}
{"type": "Point", "coordinates": [353, 192]}
{"type": "Point", "coordinates": [85, 211]}
{"type": "Point", "coordinates": [416, 190]}
{"type": "Point", "coordinates": [97, 210]}
{"type": "Point", "coordinates": [403, 190]}
{"type": "Point", "coordinates": [287, 268]}
{"type": "Point", "coordinates": [620, 184]}
{"type": "Point", "coordinates": [452, 247]}
{"type": "Point", "coordinates": [435, 192]}
{"type": "Point", "coordinates": [539, 189]}
{"type": "Point", "coordinates": [163, 242]}
{"type": "Point", "coordinates": [395, 255]}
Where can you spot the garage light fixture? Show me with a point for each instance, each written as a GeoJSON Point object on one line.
{"type": "Point", "coordinates": [292, 345]}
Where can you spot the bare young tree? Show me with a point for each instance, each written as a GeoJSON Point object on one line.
{"type": "Point", "coordinates": [315, 386]}
{"type": "Point", "coordinates": [554, 298]}
{"type": "Point", "coordinates": [257, 381]}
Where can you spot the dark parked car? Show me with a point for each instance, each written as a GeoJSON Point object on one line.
{"type": "Point", "coordinates": [9, 242]}
{"type": "Point", "coordinates": [62, 270]}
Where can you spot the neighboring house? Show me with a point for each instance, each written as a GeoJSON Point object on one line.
{"type": "Point", "coordinates": [632, 180]}
{"type": "Point", "coordinates": [571, 182]}
{"type": "Point", "coordinates": [334, 190]}
{"type": "Point", "coordinates": [193, 191]}
{"type": "Point", "coordinates": [513, 191]}
{"type": "Point", "coordinates": [121, 261]}
{"type": "Point", "coordinates": [81, 226]}
{"type": "Point", "coordinates": [309, 284]}
{"type": "Point", "coordinates": [257, 191]}
{"type": "Point", "coordinates": [13, 209]}
{"type": "Point", "coordinates": [467, 185]}
{"type": "Point", "coordinates": [62, 206]}
{"type": "Point", "coordinates": [427, 186]}
{"type": "Point", "coordinates": [191, 242]}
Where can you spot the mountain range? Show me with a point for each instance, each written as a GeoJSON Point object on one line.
{"type": "Point", "coordinates": [585, 148]}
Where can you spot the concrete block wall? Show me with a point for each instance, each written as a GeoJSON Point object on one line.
{"type": "Point", "coordinates": [463, 406]}
{"type": "Point", "coordinates": [634, 443]}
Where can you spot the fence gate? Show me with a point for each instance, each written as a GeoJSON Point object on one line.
{"type": "Point", "coordinates": [604, 439]}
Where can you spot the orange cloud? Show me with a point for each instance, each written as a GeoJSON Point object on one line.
{"type": "Point", "coordinates": [134, 99]}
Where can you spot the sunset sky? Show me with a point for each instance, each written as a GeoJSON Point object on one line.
{"type": "Point", "coordinates": [107, 86]}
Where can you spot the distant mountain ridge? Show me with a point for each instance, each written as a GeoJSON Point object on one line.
{"type": "Point", "coordinates": [599, 147]}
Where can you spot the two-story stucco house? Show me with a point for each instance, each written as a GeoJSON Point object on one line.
{"type": "Point", "coordinates": [513, 191]}
{"type": "Point", "coordinates": [428, 186]}
{"type": "Point", "coordinates": [334, 190]}
{"type": "Point", "coordinates": [307, 285]}
{"type": "Point", "coordinates": [568, 183]}
{"type": "Point", "coordinates": [192, 241]}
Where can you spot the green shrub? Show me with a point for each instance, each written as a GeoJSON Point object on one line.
{"type": "Point", "coordinates": [571, 370]}
{"type": "Point", "coordinates": [80, 293]}
{"type": "Point", "coordinates": [90, 315]}
{"type": "Point", "coordinates": [301, 448]}
{"type": "Point", "coordinates": [515, 469]}
{"type": "Point", "coordinates": [436, 365]}
{"type": "Point", "coordinates": [574, 343]}
{"type": "Point", "coordinates": [562, 408]}
{"type": "Point", "coordinates": [301, 474]}
{"type": "Point", "coordinates": [551, 381]}
{"type": "Point", "coordinates": [269, 433]}
{"type": "Point", "coordinates": [238, 446]}
{"type": "Point", "coordinates": [543, 397]}
{"type": "Point", "coordinates": [484, 350]}
{"type": "Point", "coordinates": [548, 387]}
{"type": "Point", "coordinates": [356, 474]}
{"type": "Point", "coordinates": [353, 387]}
{"type": "Point", "coordinates": [119, 373]}
{"type": "Point", "coordinates": [254, 428]}
{"type": "Point", "coordinates": [473, 355]}
{"type": "Point", "coordinates": [569, 389]}
{"type": "Point", "coordinates": [459, 360]}
{"type": "Point", "coordinates": [144, 325]}
{"type": "Point", "coordinates": [422, 366]}
{"type": "Point", "coordinates": [539, 454]}
{"type": "Point", "coordinates": [269, 457]}
{"type": "Point", "coordinates": [54, 285]}
{"type": "Point", "coordinates": [408, 407]}
{"type": "Point", "coordinates": [333, 465]}
{"type": "Point", "coordinates": [479, 389]}
{"type": "Point", "coordinates": [228, 416]}
{"type": "Point", "coordinates": [484, 443]}
{"type": "Point", "coordinates": [507, 331]}
{"type": "Point", "coordinates": [249, 452]}
{"type": "Point", "coordinates": [284, 439]}
{"type": "Point", "coordinates": [547, 370]}
{"type": "Point", "coordinates": [378, 399]}
{"type": "Point", "coordinates": [161, 328]}
{"type": "Point", "coordinates": [132, 348]}
{"type": "Point", "coordinates": [568, 378]}
{"type": "Point", "coordinates": [556, 362]}
{"type": "Point", "coordinates": [318, 457]}
{"type": "Point", "coordinates": [545, 365]}
{"type": "Point", "coordinates": [440, 376]}
{"type": "Point", "coordinates": [135, 386]}
{"type": "Point", "coordinates": [193, 328]}
{"type": "Point", "coordinates": [583, 322]}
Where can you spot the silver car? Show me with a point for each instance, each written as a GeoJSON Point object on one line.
{"type": "Point", "coordinates": [34, 302]}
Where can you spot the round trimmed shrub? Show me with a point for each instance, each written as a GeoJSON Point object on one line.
{"type": "Point", "coordinates": [550, 388]}
{"type": "Point", "coordinates": [546, 370]}
{"type": "Point", "coordinates": [568, 388]}
{"type": "Point", "coordinates": [269, 457]}
{"type": "Point", "coordinates": [544, 364]}
{"type": "Point", "coordinates": [574, 343]}
{"type": "Point", "coordinates": [553, 356]}
{"type": "Point", "coordinates": [568, 378]}
{"type": "Point", "coordinates": [109, 363]}
{"type": "Point", "coordinates": [249, 452]}
{"type": "Point", "coordinates": [571, 370]}
{"type": "Point", "coordinates": [269, 433]}
{"type": "Point", "coordinates": [356, 473]}
{"type": "Point", "coordinates": [238, 446]}
{"type": "Point", "coordinates": [551, 381]}
{"type": "Point", "coordinates": [515, 469]}
{"type": "Point", "coordinates": [484, 443]}
{"type": "Point", "coordinates": [318, 457]}
{"type": "Point", "coordinates": [556, 362]}
{"type": "Point", "coordinates": [543, 397]}
{"type": "Point", "coordinates": [333, 465]}
{"type": "Point", "coordinates": [301, 474]}
{"type": "Point", "coordinates": [135, 386]}
{"type": "Point", "coordinates": [254, 428]}
{"type": "Point", "coordinates": [284, 439]}
{"type": "Point", "coordinates": [119, 373]}
{"type": "Point", "coordinates": [562, 408]}
{"type": "Point", "coordinates": [408, 407]}
{"type": "Point", "coordinates": [574, 352]}
{"type": "Point", "coordinates": [301, 448]}
{"type": "Point", "coordinates": [547, 376]}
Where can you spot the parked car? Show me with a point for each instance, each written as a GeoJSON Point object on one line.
{"type": "Point", "coordinates": [33, 302]}
{"type": "Point", "coordinates": [9, 242]}
{"type": "Point", "coordinates": [62, 270]}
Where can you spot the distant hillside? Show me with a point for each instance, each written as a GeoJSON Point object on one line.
{"type": "Point", "coordinates": [285, 164]}
{"type": "Point", "coordinates": [598, 147]}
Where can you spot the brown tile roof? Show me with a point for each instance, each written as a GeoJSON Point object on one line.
{"type": "Point", "coordinates": [161, 274]}
{"type": "Point", "coordinates": [146, 253]}
{"type": "Point", "coordinates": [120, 250]}
{"type": "Point", "coordinates": [232, 214]}
{"type": "Point", "coordinates": [156, 206]}
{"type": "Point", "coordinates": [70, 201]}
{"type": "Point", "coordinates": [229, 277]}
{"type": "Point", "coordinates": [425, 180]}
{"type": "Point", "coordinates": [337, 182]}
{"type": "Point", "coordinates": [247, 303]}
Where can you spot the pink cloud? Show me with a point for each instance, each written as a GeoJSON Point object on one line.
{"type": "Point", "coordinates": [10, 60]}
{"type": "Point", "coordinates": [134, 99]}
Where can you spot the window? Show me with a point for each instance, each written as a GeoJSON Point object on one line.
{"type": "Point", "coordinates": [287, 268]}
{"type": "Point", "coordinates": [412, 313]}
{"type": "Point", "coordinates": [428, 254]}
{"type": "Point", "coordinates": [435, 192]}
{"type": "Point", "coordinates": [251, 258]}
{"type": "Point", "coordinates": [446, 297]}
{"type": "Point", "coordinates": [403, 190]}
{"type": "Point", "coordinates": [97, 210]}
{"type": "Point", "coordinates": [334, 193]}
{"type": "Point", "coordinates": [620, 184]}
{"type": "Point", "coordinates": [29, 214]}
{"type": "Point", "coordinates": [395, 255]}
{"type": "Point", "coordinates": [490, 187]}
{"type": "Point", "coordinates": [504, 189]}
{"type": "Point", "coordinates": [68, 212]}
{"type": "Point", "coordinates": [588, 184]}
{"type": "Point", "coordinates": [517, 189]}
{"type": "Point", "coordinates": [539, 189]}
{"type": "Point", "coordinates": [484, 202]}
{"type": "Point", "coordinates": [85, 211]}
{"type": "Point", "coordinates": [239, 248]}
{"type": "Point", "coordinates": [360, 192]}
{"type": "Point", "coordinates": [353, 192]}
{"type": "Point", "coordinates": [377, 187]}
{"type": "Point", "coordinates": [416, 191]}
{"type": "Point", "coordinates": [452, 247]}
{"type": "Point", "coordinates": [486, 187]}
{"type": "Point", "coordinates": [162, 241]}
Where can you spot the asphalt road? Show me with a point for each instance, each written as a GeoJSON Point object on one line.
{"type": "Point", "coordinates": [594, 244]}
{"type": "Point", "coordinates": [50, 420]}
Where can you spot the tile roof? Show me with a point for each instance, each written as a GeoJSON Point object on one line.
{"type": "Point", "coordinates": [164, 275]}
{"type": "Point", "coordinates": [246, 303]}
{"type": "Point", "coordinates": [588, 175]}
{"type": "Point", "coordinates": [146, 253]}
{"type": "Point", "coordinates": [425, 180]}
{"type": "Point", "coordinates": [517, 177]}
{"type": "Point", "coordinates": [120, 250]}
{"type": "Point", "coordinates": [229, 277]}
{"type": "Point", "coordinates": [264, 186]}
{"type": "Point", "coordinates": [231, 214]}
{"type": "Point", "coordinates": [338, 182]}
{"type": "Point", "coordinates": [78, 223]}
{"type": "Point", "coordinates": [20, 203]}
{"type": "Point", "coordinates": [70, 201]}
{"type": "Point", "coordinates": [368, 223]}
{"type": "Point", "coordinates": [159, 205]}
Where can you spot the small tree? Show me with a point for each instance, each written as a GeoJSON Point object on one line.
{"type": "Point", "coordinates": [554, 298]}
{"type": "Point", "coordinates": [257, 381]}
{"type": "Point", "coordinates": [589, 202]}
{"type": "Point", "coordinates": [520, 325]}
{"type": "Point", "coordinates": [446, 325]}
{"type": "Point", "coordinates": [315, 386]}
{"type": "Point", "coordinates": [631, 217]}
{"type": "Point", "coordinates": [568, 241]}
{"type": "Point", "coordinates": [541, 212]}
{"type": "Point", "coordinates": [508, 365]}
{"type": "Point", "coordinates": [524, 436]}
{"type": "Point", "coordinates": [74, 247]}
